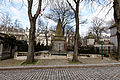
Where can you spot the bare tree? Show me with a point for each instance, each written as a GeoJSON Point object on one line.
{"type": "Point", "coordinates": [76, 12]}
{"type": "Point", "coordinates": [61, 10]}
{"type": "Point", "coordinates": [5, 20]}
{"type": "Point", "coordinates": [43, 28]}
{"type": "Point", "coordinates": [97, 28]}
{"type": "Point", "coordinates": [32, 19]}
{"type": "Point", "coordinates": [69, 32]}
{"type": "Point", "coordinates": [16, 23]}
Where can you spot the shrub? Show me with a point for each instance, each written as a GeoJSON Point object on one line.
{"type": "Point", "coordinates": [106, 54]}
{"type": "Point", "coordinates": [70, 48]}
{"type": "Point", "coordinates": [41, 47]}
{"type": "Point", "coordinates": [87, 50]}
{"type": "Point", "coordinates": [84, 50]}
{"type": "Point", "coordinates": [22, 46]}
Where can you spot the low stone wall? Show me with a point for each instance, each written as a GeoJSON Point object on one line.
{"type": "Point", "coordinates": [47, 55]}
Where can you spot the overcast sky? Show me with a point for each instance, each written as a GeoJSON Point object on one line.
{"type": "Point", "coordinates": [19, 12]}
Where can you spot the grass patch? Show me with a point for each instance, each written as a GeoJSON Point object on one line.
{"type": "Point", "coordinates": [71, 62]}
{"type": "Point", "coordinates": [25, 63]}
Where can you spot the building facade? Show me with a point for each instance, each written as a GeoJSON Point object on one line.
{"type": "Point", "coordinates": [23, 34]}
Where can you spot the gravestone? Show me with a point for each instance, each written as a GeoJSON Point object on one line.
{"type": "Point", "coordinates": [58, 42]}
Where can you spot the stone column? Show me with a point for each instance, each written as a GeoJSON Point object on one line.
{"type": "Point", "coordinates": [1, 51]}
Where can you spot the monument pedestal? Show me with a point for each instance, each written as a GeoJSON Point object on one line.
{"type": "Point", "coordinates": [59, 47]}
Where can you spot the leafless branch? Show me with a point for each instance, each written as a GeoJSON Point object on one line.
{"type": "Point", "coordinates": [103, 8]}
{"type": "Point", "coordinates": [108, 11]}
{"type": "Point", "coordinates": [71, 6]}
{"type": "Point", "coordinates": [38, 9]}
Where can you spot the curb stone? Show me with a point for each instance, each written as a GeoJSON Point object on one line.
{"type": "Point", "coordinates": [59, 66]}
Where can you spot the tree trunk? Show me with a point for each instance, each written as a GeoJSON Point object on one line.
{"type": "Point", "coordinates": [118, 49]}
{"type": "Point", "coordinates": [63, 29]}
{"type": "Point", "coordinates": [46, 40]}
{"type": "Point", "coordinates": [68, 38]}
{"type": "Point", "coordinates": [75, 55]}
{"type": "Point", "coordinates": [32, 19]}
{"type": "Point", "coordinates": [116, 6]}
{"type": "Point", "coordinates": [30, 56]}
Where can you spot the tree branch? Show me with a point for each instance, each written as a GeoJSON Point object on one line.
{"type": "Point", "coordinates": [39, 9]}
{"type": "Point", "coordinates": [75, 1]}
{"type": "Point", "coordinates": [70, 5]}
{"type": "Point", "coordinates": [30, 8]}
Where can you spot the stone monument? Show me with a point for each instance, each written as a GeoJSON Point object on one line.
{"type": "Point", "coordinates": [90, 39]}
{"type": "Point", "coordinates": [58, 42]}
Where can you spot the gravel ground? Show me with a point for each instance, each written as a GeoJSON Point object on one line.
{"type": "Point", "coordinates": [53, 62]}
{"type": "Point", "coordinates": [10, 62]}
{"type": "Point", "coordinates": [13, 62]}
{"type": "Point", "coordinates": [96, 60]}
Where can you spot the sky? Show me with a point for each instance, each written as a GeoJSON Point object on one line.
{"type": "Point", "coordinates": [18, 10]}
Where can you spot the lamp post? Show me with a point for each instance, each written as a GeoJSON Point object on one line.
{"type": "Point", "coordinates": [102, 42]}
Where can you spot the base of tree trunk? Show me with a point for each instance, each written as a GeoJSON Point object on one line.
{"type": "Point", "coordinates": [30, 58]}
{"type": "Point", "coordinates": [75, 60]}
{"type": "Point", "coordinates": [29, 61]}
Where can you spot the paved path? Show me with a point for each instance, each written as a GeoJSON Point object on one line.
{"type": "Point", "coordinates": [88, 73]}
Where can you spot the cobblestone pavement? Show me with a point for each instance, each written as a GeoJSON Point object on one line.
{"type": "Point", "coordinates": [90, 73]}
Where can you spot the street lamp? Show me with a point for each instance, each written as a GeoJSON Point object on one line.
{"type": "Point", "coordinates": [102, 42]}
